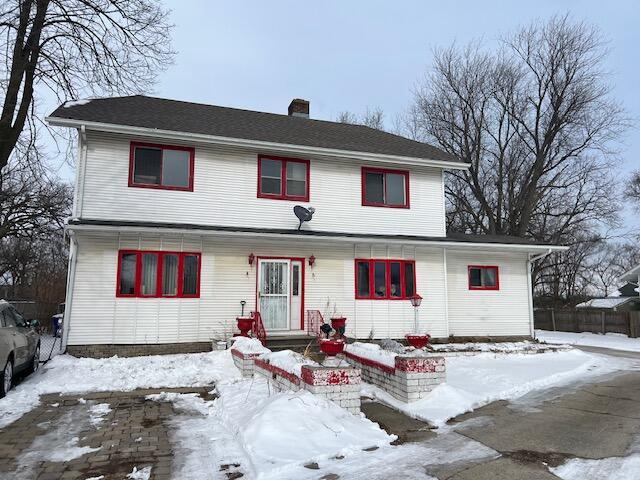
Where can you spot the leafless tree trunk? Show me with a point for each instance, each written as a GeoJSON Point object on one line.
{"type": "Point", "coordinates": [74, 48]}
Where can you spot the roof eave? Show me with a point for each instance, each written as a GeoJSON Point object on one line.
{"type": "Point", "coordinates": [265, 146]}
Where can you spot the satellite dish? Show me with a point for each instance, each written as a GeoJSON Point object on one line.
{"type": "Point", "coordinates": [303, 214]}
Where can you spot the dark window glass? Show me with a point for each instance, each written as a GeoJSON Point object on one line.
{"type": "Point", "coordinates": [295, 283]}
{"type": "Point", "coordinates": [363, 279]}
{"type": "Point", "coordinates": [396, 287]}
{"type": "Point", "coordinates": [149, 274]}
{"type": "Point", "coordinates": [489, 277]}
{"type": "Point", "coordinates": [148, 166]}
{"type": "Point", "coordinates": [190, 272]}
{"type": "Point", "coordinates": [271, 176]}
{"type": "Point", "coordinates": [128, 274]}
{"type": "Point", "coordinates": [175, 168]}
{"type": "Point", "coordinates": [395, 189]}
{"type": "Point", "coordinates": [380, 279]}
{"type": "Point", "coordinates": [296, 179]}
{"type": "Point", "coordinates": [170, 275]}
{"type": "Point", "coordinates": [410, 289]}
{"type": "Point", "coordinates": [475, 277]}
{"type": "Point", "coordinates": [374, 187]}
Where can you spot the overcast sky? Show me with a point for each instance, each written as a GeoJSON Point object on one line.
{"type": "Point", "coordinates": [350, 55]}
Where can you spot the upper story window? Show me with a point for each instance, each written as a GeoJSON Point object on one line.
{"type": "Point", "coordinates": [283, 178]}
{"type": "Point", "coordinates": [482, 277]}
{"type": "Point", "coordinates": [161, 166]}
{"type": "Point", "coordinates": [385, 279]}
{"type": "Point", "coordinates": [158, 274]}
{"type": "Point", "coordinates": [385, 188]}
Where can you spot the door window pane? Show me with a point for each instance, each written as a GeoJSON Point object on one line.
{"type": "Point", "coordinates": [190, 279]}
{"type": "Point", "coordinates": [395, 189]}
{"type": "Point", "coordinates": [170, 275]}
{"type": "Point", "coordinates": [380, 279]}
{"type": "Point", "coordinates": [296, 179]}
{"type": "Point", "coordinates": [149, 274]}
{"type": "Point", "coordinates": [148, 165]}
{"type": "Point", "coordinates": [396, 288]}
{"type": "Point", "coordinates": [374, 187]}
{"type": "Point", "coordinates": [363, 279]}
{"type": "Point", "coordinates": [409, 282]}
{"type": "Point", "coordinates": [175, 168]}
{"type": "Point", "coordinates": [271, 176]}
{"type": "Point", "coordinates": [128, 274]}
{"type": "Point", "coordinates": [295, 285]}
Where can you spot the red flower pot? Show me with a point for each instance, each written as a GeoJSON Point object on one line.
{"type": "Point", "coordinates": [244, 325]}
{"type": "Point", "coordinates": [418, 341]}
{"type": "Point", "coordinates": [338, 322]}
{"type": "Point", "coordinates": [331, 347]}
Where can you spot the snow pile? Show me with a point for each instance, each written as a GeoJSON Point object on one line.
{"type": "Point", "coordinates": [288, 361]}
{"type": "Point", "coordinates": [67, 374]}
{"type": "Point", "coordinates": [249, 345]}
{"type": "Point", "coordinates": [142, 474]}
{"type": "Point", "coordinates": [616, 341]}
{"type": "Point", "coordinates": [374, 352]}
{"type": "Point", "coordinates": [484, 378]}
{"type": "Point", "coordinates": [613, 468]}
{"type": "Point", "coordinates": [502, 347]}
{"type": "Point", "coordinates": [288, 429]}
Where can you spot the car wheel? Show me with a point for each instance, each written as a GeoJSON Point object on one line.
{"type": "Point", "coordinates": [7, 378]}
{"type": "Point", "coordinates": [35, 361]}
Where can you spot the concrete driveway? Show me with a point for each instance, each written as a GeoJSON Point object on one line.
{"type": "Point", "coordinates": [594, 420]}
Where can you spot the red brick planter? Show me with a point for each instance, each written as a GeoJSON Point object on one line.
{"type": "Point", "coordinates": [418, 341]}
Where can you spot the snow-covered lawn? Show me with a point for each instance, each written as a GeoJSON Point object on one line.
{"type": "Point", "coordinates": [478, 380]}
{"type": "Point", "coordinates": [615, 341]}
{"type": "Point", "coordinates": [613, 468]}
{"type": "Point", "coordinates": [67, 374]}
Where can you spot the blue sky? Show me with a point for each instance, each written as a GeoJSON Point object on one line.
{"type": "Point", "coordinates": [350, 55]}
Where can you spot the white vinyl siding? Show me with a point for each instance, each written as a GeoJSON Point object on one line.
{"type": "Point", "coordinates": [225, 193]}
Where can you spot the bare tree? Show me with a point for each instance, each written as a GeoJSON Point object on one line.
{"type": "Point", "coordinates": [74, 48]}
{"type": "Point", "coordinates": [536, 122]}
{"type": "Point", "coordinates": [633, 187]}
{"type": "Point", "coordinates": [373, 118]}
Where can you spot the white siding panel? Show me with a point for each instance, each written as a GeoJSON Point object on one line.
{"type": "Point", "coordinates": [225, 183]}
{"type": "Point", "coordinates": [488, 312]}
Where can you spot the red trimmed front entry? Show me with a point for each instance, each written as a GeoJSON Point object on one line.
{"type": "Point", "coordinates": [272, 289]}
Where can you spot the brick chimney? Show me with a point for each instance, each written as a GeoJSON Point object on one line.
{"type": "Point", "coordinates": [299, 108]}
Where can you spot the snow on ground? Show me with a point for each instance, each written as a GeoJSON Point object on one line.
{"type": "Point", "coordinates": [480, 379]}
{"type": "Point", "coordinates": [286, 429]}
{"type": "Point", "coordinates": [373, 352]}
{"type": "Point", "coordinates": [613, 468]}
{"type": "Point", "coordinates": [97, 413]}
{"type": "Point", "coordinates": [249, 345]}
{"type": "Point", "coordinates": [67, 374]}
{"type": "Point", "coordinates": [288, 361]}
{"type": "Point", "coordinates": [616, 341]}
{"type": "Point", "coordinates": [140, 473]}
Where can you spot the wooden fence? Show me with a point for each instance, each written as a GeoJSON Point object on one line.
{"type": "Point", "coordinates": [595, 321]}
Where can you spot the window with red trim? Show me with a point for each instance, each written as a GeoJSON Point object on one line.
{"type": "Point", "coordinates": [483, 277]}
{"type": "Point", "coordinates": [161, 166]}
{"type": "Point", "coordinates": [158, 274]}
{"type": "Point", "coordinates": [283, 178]}
{"type": "Point", "coordinates": [385, 188]}
{"type": "Point", "coordinates": [383, 279]}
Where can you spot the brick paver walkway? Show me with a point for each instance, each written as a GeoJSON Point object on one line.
{"type": "Point", "coordinates": [134, 433]}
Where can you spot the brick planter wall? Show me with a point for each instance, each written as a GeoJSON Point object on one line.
{"type": "Point", "coordinates": [338, 384]}
{"type": "Point", "coordinates": [411, 379]}
{"type": "Point", "coordinates": [244, 361]}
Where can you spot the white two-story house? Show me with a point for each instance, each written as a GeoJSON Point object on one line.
{"type": "Point", "coordinates": [184, 212]}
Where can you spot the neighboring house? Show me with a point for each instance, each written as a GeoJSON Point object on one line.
{"type": "Point", "coordinates": [182, 211]}
{"type": "Point", "coordinates": [612, 303]}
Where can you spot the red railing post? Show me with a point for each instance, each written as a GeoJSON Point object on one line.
{"type": "Point", "coordinates": [258, 328]}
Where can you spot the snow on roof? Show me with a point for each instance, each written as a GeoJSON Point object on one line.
{"type": "Point", "coordinates": [609, 302]}
{"type": "Point", "coordinates": [74, 103]}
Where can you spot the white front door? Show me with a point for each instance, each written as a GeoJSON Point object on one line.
{"type": "Point", "coordinates": [296, 294]}
{"type": "Point", "coordinates": [273, 293]}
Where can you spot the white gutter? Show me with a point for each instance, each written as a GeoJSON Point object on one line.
{"type": "Point", "coordinates": [240, 142]}
{"type": "Point", "coordinates": [323, 238]}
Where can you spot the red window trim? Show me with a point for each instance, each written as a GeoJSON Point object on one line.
{"type": "Point", "coordinates": [132, 149]}
{"type": "Point", "coordinates": [492, 267]}
{"type": "Point", "coordinates": [160, 255]}
{"type": "Point", "coordinates": [388, 262]}
{"type": "Point", "coordinates": [283, 179]}
{"type": "Point", "coordinates": [366, 203]}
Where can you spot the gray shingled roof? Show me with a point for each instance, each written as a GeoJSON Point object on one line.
{"type": "Point", "coordinates": [173, 115]}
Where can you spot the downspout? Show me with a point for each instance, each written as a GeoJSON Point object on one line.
{"type": "Point", "coordinates": [71, 278]}
{"type": "Point", "coordinates": [529, 267]}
